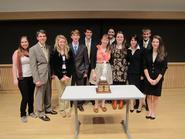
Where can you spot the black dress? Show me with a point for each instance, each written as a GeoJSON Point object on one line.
{"type": "Point", "coordinates": [154, 69]}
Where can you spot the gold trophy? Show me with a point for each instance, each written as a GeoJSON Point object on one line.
{"type": "Point", "coordinates": [103, 85]}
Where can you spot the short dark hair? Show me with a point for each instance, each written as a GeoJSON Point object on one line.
{"type": "Point", "coordinates": [88, 28]}
{"type": "Point", "coordinates": [40, 31]}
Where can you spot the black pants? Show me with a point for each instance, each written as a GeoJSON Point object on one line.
{"type": "Point", "coordinates": [26, 87]}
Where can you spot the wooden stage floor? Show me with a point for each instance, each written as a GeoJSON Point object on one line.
{"type": "Point", "coordinates": [169, 123]}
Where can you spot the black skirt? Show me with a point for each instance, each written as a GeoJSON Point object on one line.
{"type": "Point", "coordinates": [154, 90]}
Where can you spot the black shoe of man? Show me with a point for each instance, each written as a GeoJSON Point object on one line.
{"type": "Point", "coordinates": [45, 118]}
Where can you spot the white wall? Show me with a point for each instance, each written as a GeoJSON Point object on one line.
{"type": "Point", "coordinates": [91, 5]}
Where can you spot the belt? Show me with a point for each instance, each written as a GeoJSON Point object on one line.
{"type": "Point", "coordinates": [101, 62]}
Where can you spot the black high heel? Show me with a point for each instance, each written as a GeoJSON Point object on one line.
{"type": "Point", "coordinates": [131, 110]}
{"type": "Point", "coordinates": [152, 118]}
{"type": "Point", "coordinates": [148, 117]}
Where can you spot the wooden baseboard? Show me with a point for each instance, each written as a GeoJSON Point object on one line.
{"type": "Point", "coordinates": [174, 77]}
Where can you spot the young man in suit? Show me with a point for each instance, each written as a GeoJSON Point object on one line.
{"type": "Point", "coordinates": [146, 41]}
{"type": "Point", "coordinates": [40, 67]}
{"type": "Point", "coordinates": [89, 42]}
{"type": "Point", "coordinates": [81, 63]}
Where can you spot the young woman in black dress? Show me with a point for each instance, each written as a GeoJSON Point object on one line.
{"type": "Point", "coordinates": [155, 65]}
{"type": "Point", "coordinates": [135, 68]}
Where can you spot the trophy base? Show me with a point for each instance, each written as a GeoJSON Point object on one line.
{"type": "Point", "coordinates": [103, 87]}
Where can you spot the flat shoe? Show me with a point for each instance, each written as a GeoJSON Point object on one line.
{"type": "Point", "coordinates": [147, 117]}
{"type": "Point", "coordinates": [131, 110]}
{"type": "Point", "coordinates": [152, 118]}
{"type": "Point", "coordinates": [138, 111]}
{"type": "Point", "coordinates": [104, 109]}
{"type": "Point", "coordinates": [95, 110]}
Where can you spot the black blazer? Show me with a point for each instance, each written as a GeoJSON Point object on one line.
{"type": "Point", "coordinates": [149, 46]}
{"type": "Point", "coordinates": [80, 61]}
{"type": "Point", "coordinates": [93, 51]}
{"type": "Point", "coordinates": [57, 61]}
{"type": "Point", "coordinates": [154, 68]}
{"type": "Point", "coordinates": [135, 62]}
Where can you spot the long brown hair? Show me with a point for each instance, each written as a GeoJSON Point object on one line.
{"type": "Point", "coordinates": [21, 50]}
{"type": "Point", "coordinates": [161, 49]}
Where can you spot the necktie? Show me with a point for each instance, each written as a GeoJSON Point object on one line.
{"type": "Point", "coordinates": [75, 49]}
{"type": "Point", "coordinates": [88, 48]}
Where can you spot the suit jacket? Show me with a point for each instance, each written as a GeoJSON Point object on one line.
{"type": "Point", "coordinates": [57, 62]}
{"type": "Point", "coordinates": [149, 46]}
{"type": "Point", "coordinates": [80, 61]}
{"type": "Point", "coordinates": [40, 67]}
{"type": "Point", "coordinates": [135, 62]}
{"type": "Point", "coordinates": [92, 59]}
{"type": "Point", "coordinates": [154, 68]}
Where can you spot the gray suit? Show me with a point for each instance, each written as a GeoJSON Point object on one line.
{"type": "Point", "coordinates": [40, 68]}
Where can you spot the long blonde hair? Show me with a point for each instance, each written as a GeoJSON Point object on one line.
{"type": "Point", "coordinates": [105, 36]}
{"type": "Point", "coordinates": [57, 47]}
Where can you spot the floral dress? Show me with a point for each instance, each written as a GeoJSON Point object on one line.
{"type": "Point", "coordinates": [119, 64]}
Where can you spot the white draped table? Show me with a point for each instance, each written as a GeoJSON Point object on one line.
{"type": "Point", "coordinates": [118, 92]}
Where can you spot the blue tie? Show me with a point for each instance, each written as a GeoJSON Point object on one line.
{"type": "Point", "coordinates": [75, 49]}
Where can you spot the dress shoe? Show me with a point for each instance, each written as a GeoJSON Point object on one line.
{"type": "Point", "coordinates": [152, 117]}
{"type": "Point", "coordinates": [51, 112]}
{"type": "Point", "coordinates": [131, 110]}
{"type": "Point", "coordinates": [138, 111]}
{"type": "Point", "coordinates": [24, 119]}
{"type": "Point", "coordinates": [81, 108]}
{"type": "Point", "coordinates": [147, 117]}
{"type": "Point", "coordinates": [45, 118]}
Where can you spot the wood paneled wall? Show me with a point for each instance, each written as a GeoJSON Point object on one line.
{"type": "Point", "coordinates": [174, 77]}
{"type": "Point", "coordinates": [179, 15]}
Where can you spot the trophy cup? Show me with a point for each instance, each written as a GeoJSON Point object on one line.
{"type": "Point", "coordinates": [103, 85]}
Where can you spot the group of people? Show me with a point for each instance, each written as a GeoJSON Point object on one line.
{"type": "Point", "coordinates": [140, 63]}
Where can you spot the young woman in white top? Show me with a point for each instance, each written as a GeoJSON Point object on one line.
{"type": "Point", "coordinates": [22, 77]}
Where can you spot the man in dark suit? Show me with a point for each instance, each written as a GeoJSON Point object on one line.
{"type": "Point", "coordinates": [41, 72]}
{"type": "Point", "coordinates": [146, 41]}
{"type": "Point", "coordinates": [89, 42]}
{"type": "Point", "coordinates": [81, 62]}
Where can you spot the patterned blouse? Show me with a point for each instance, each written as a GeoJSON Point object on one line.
{"type": "Point", "coordinates": [119, 64]}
